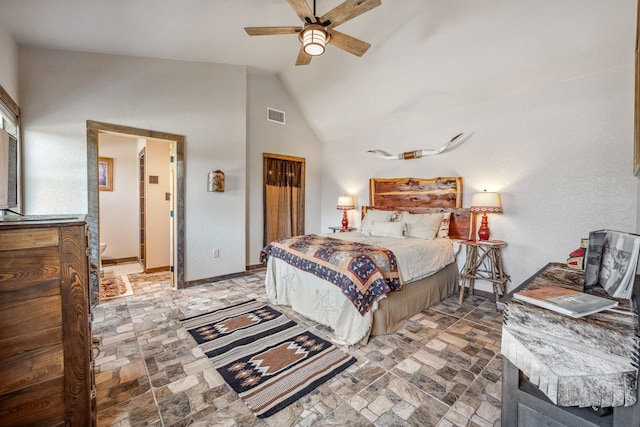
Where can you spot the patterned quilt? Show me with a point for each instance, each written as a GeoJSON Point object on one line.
{"type": "Point", "coordinates": [363, 272]}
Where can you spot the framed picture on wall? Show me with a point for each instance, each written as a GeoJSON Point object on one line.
{"type": "Point", "coordinates": [105, 173]}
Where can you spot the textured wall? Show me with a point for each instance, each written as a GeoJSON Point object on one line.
{"type": "Point", "coordinates": [205, 102]}
{"type": "Point", "coordinates": [559, 153]}
{"type": "Point", "coordinates": [9, 63]}
{"type": "Point", "coordinates": [295, 138]}
{"type": "Point", "coordinates": [560, 156]}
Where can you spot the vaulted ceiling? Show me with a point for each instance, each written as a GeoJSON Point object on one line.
{"type": "Point", "coordinates": [426, 55]}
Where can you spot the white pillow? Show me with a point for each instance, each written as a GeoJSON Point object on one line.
{"type": "Point", "coordinates": [422, 226]}
{"type": "Point", "coordinates": [443, 231]}
{"type": "Point", "coordinates": [387, 229]}
{"type": "Point", "coordinates": [419, 231]}
{"type": "Point", "coordinates": [371, 216]}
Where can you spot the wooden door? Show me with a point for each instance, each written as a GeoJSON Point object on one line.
{"type": "Point", "coordinates": [283, 196]}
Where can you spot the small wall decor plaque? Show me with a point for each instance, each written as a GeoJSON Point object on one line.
{"type": "Point", "coordinates": [215, 181]}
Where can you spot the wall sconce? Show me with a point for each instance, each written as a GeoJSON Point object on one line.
{"type": "Point", "coordinates": [215, 182]}
{"type": "Point", "coordinates": [485, 202]}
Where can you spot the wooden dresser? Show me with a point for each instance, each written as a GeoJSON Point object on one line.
{"type": "Point", "coordinates": [46, 367]}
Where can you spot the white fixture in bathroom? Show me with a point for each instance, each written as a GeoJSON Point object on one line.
{"type": "Point", "coordinates": [103, 247]}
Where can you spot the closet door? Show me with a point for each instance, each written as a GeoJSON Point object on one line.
{"type": "Point", "coordinates": [283, 196]}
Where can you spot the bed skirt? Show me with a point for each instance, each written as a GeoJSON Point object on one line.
{"type": "Point", "coordinates": [320, 301]}
{"type": "Point", "coordinates": [413, 298]}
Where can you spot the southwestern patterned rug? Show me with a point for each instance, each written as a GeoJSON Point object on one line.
{"type": "Point", "coordinates": [269, 360]}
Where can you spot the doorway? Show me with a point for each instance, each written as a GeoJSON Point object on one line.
{"type": "Point", "coordinates": [177, 182]}
{"type": "Point", "coordinates": [283, 195]}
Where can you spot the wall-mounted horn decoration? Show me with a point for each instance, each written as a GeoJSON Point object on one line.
{"type": "Point", "coordinates": [215, 181]}
{"type": "Point", "coordinates": [408, 155]}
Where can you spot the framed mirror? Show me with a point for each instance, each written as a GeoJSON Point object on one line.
{"type": "Point", "coordinates": [10, 156]}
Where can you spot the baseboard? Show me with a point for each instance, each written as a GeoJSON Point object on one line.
{"type": "Point", "coordinates": [254, 267]}
{"type": "Point", "coordinates": [217, 278]}
{"type": "Point", "coordinates": [114, 261]}
{"type": "Point", "coordinates": [157, 269]}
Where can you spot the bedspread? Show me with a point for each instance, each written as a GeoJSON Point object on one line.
{"type": "Point", "coordinates": [363, 272]}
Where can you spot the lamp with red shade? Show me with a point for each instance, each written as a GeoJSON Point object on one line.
{"type": "Point", "coordinates": [485, 202]}
{"type": "Point", "coordinates": [345, 203]}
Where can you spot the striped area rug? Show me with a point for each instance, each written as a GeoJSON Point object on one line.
{"type": "Point", "coordinates": [269, 360]}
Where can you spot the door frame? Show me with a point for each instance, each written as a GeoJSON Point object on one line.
{"type": "Point", "coordinates": [177, 261]}
{"type": "Point", "coordinates": [142, 239]}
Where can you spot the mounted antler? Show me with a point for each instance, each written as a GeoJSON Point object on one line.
{"type": "Point", "coordinates": [408, 155]}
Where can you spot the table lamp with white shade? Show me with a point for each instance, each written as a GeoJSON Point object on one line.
{"type": "Point", "coordinates": [485, 202]}
{"type": "Point", "coordinates": [345, 203]}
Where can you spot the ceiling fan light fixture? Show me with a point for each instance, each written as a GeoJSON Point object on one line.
{"type": "Point", "coordinates": [316, 32]}
{"type": "Point", "coordinates": [314, 39]}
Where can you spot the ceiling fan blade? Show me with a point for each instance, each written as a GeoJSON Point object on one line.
{"type": "Point", "coordinates": [269, 31]}
{"type": "Point", "coordinates": [302, 9]}
{"type": "Point", "coordinates": [348, 10]}
{"type": "Point", "coordinates": [348, 43]}
{"type": "Point", "coordinates": [303, 57]}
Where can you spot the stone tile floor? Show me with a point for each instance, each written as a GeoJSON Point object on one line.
{"type": "Point", "coordinates": [443, 368]}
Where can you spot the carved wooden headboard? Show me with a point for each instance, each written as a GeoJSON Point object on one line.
{"type": "Point", "coordinates": [424, 195]}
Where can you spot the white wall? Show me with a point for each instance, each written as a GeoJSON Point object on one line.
{"type": "Point", "coordinates": [560, 155]}
{"type": "Point", "coordinates": [295, 138]}
{"type": "Point", "coordinates": [119, 225]}
{"type": "Point", "coordinates": [9, 63]}
{"type": "Point", "coordinates": [205, 102]}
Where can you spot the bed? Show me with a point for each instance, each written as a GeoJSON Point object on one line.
{"type": "Point", "coordinates": [413, 271]}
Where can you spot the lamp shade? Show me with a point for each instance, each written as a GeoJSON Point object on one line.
{"type": "Point", "coordinates": [345, 202]}
{"type": "Point", "coordinates": [486, 202]}
{"type": "Point", "coordinates": [314, 39]}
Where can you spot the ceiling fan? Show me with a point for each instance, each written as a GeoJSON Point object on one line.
{"type": "Point", "coordinates": [317, 32]}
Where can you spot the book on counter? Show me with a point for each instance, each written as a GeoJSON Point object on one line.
{"type": "Point", "coordinates": [566, 301]}
{"type": "Point", "coordinates": [611, 261]}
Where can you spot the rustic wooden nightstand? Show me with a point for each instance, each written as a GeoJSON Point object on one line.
{"type": "Point", "coordinates": [342, 230]}
{"type": "Point", "coordinates": [484, 262]}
